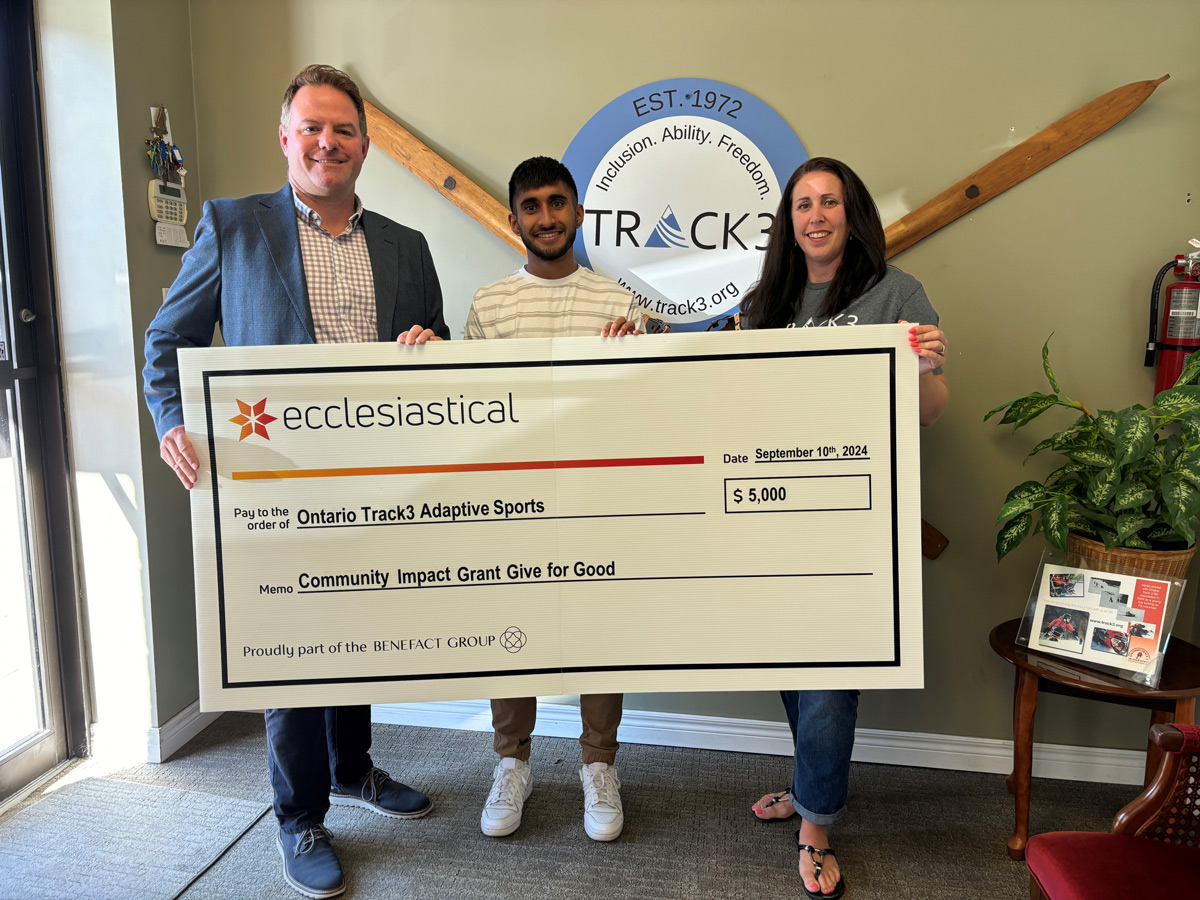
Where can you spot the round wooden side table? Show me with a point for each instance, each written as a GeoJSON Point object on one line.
{"type": "Point", "coordinates": [1173, 701]}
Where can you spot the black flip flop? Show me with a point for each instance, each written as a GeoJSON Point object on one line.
{"type": "Point", "coordinates": [786, 795]}
{"type": "Point", "coordinates": [818, 864]}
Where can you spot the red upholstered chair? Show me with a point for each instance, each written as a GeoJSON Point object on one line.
{"type": "Point", "coordinates": [1154, 847]}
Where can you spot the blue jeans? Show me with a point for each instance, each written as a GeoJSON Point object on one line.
{"type": "Point", "coordinates": [310, 748]}
{"type": "Point", "coordinates": [822, 724]}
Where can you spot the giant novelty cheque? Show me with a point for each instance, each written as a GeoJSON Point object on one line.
{"type": "Point", "coordinates": [729, 511]}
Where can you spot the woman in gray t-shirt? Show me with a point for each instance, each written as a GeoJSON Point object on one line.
{"type": "Point", "coordinates": [825, 266]}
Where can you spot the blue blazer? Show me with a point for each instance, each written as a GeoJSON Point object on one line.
{"type": "Point", "coordinates": [245, 273]}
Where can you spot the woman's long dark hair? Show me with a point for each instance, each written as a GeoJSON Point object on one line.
{"type": "Point", "coordinates": [772, 302]}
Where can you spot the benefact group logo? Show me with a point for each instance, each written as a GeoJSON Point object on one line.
{"type": "Point", "coordinates": [680, 180]}
{"type": "Point", "coordinates": [513, 640]}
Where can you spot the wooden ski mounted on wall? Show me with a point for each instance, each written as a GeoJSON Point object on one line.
{"type": "Point", "coordinates": [1010, 168]}
{"type": "Point", "coordinates": [411, 152]}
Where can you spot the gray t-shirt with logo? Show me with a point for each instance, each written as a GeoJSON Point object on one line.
{"type": "Point", "coordinates": [896, 296]}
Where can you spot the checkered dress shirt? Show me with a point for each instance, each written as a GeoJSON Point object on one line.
{"type": "Point", "coordinates": [341, 290]}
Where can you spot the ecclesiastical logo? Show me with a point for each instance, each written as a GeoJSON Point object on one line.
{"type": "Point", "coordinates": [253, 419]}
{"type": "Point", "coordinates": [679, 181]}
{"type": "Point", "coordinates": [513, 639]}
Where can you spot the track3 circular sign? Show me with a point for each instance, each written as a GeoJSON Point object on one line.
{"type": "Point", "coordinates": [680, 180]}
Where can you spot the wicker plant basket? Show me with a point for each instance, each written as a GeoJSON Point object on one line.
{"type": "Point", "coordinates": [1088, 554]}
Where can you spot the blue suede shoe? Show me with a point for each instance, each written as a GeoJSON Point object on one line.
{"type": "Point", "coordinates": [378, 793]}
{"type": "Point", "coordinates": [309, 863]}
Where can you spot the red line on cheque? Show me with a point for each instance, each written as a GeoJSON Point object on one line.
{"type": "Point", "coordinates": [620, 462]}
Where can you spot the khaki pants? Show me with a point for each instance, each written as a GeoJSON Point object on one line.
{"type": "Point", "coordinates": [513, 722]}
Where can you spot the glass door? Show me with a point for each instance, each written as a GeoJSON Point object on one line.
{"type": "Point", "coordinates": [42, 712]}
{"type": "Point", "coordinates": [30, 723]}
{"type": "Point", "coordinates": [20, 696]}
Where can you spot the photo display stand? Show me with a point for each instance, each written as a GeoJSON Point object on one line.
{"type": "Point", "coordinates": [1119, 623]}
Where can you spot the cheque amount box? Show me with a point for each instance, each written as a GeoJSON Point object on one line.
{"type": "Point", "coordinates": [798, 493]}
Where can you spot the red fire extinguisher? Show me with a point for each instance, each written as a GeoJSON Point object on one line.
{"type": "Point", "coordinates": [1179, 335]}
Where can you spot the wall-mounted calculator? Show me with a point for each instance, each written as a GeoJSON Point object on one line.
{"type": "Point", "coordinates": [168, 202]}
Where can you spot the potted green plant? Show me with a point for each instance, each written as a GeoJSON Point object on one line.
{"type": "Point", "coordinates": [1131, 480]}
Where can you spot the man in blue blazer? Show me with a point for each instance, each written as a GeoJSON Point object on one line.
{"type": "Point", "coordinates": [304, 265]}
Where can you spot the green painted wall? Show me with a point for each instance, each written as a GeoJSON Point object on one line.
{"type": "Point", "coordinates": [152, 50]}
{"type": "Point", "coordinates": [915, 95]}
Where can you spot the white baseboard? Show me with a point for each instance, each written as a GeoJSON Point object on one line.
{"type": "Point", "coordinates": [898, 748]}
{"type": "Point", "coordinates": [975, 754]}
{"type": "Point", "coordinates": [165, 741]}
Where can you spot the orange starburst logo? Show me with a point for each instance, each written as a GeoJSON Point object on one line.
{"type": "Point", "coordinates": [253, 419]}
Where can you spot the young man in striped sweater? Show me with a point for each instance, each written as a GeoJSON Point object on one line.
{"type": "Point", "coordinates": [551, 296]}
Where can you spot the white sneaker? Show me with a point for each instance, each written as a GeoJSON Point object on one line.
{"type": "Point", "coordinates": [603, 818]}
{"type": "Point", "coordinates": [512, 780]}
